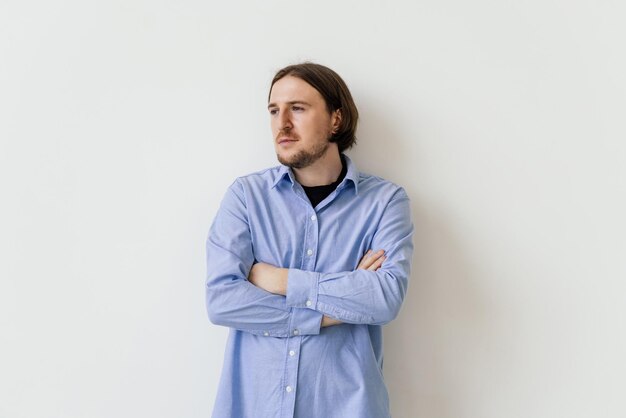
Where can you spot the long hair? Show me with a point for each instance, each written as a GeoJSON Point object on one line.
{"type": "Point", "coordinates": [335, 93]}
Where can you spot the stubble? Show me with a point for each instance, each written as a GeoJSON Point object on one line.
{"type": "Point", "coordinates": [305, 158]}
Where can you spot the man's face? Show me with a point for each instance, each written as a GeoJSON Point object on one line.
{"type": "Point", "coordinates": [301, 124]}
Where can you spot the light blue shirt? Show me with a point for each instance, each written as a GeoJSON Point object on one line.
{"type": "Point", "coordinates": [279, 362]}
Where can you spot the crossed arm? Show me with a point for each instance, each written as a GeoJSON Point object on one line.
{"type": "Point", "coordinates": [269, 301]}
{"type": "Point", "coordinates": [274, 279]}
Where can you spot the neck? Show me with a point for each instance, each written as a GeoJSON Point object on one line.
{"type": "Point", "coordinates": [323, 171]}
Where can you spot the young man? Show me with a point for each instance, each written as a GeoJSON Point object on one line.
{"type": "Point", "coordinates": [305, 263]}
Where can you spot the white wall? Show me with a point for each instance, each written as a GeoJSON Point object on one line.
{"type": "Point", "coordinates": [122, 123]}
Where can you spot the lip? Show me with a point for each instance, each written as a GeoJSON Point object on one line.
{"type": "Point", "coordinates": [285, 141]}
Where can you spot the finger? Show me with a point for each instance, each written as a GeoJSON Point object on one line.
{"type": "Point", "coordinates": [368, 260]}
{"type": "Point", "coordinates": [376, 255]}
{"type": "Point", "coordinates": [377, 263]}
{"type": "Point", "coordinates": [363, 260]}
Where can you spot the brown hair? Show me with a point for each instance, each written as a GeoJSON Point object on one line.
{"type": "Point", "coordinates": [335, 93]}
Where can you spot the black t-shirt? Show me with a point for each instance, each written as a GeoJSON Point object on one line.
{"type": "Point", "coordinates": [318, 193]}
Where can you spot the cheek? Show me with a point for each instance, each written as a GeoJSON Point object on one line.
{"type": "Point", "coordinates": [320, 130]}
{"type": "Point", "coordinates": [322, 125]}
{"type": "Point", "coordinates": [315, 127]}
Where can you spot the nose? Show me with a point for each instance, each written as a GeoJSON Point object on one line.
{"type": "Point", "coordinates": [285, 121]}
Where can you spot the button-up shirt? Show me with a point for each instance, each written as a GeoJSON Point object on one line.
{"type": "Point", "coordinates": [279, 362]}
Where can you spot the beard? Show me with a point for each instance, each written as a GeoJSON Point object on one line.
{"type": "Point", "coordinates": [305, 158]}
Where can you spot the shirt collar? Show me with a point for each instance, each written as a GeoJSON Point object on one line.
{"type": "Point", "coordinates": [286, 173]}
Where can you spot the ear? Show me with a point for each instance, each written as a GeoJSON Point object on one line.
{"type": "Point", "coordinates": [336, 120]}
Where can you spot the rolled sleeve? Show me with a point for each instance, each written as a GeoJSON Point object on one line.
{"type": "Point", "coordinates": [302, 289]}
{"type": "Point", "coordinates": [305, 322]}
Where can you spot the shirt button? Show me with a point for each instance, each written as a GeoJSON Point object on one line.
{"type": "Point", "coordinates": [292, 353]}
{"type": "Point", "coordinates": [267, 334]}
{"type": "Point", "coordinates": [308, 303]}
{"type": "Point", "coordinates": [309, 252]}
{"type": "Point", "coordinates": [296, 332]}
{"type": "Point", "coordinates": [313, 218]}
{"type": "Point", "coordinates": [288, 389]}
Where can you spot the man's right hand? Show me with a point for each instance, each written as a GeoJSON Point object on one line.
{"type": "Point", "coordinates": [372, 260]}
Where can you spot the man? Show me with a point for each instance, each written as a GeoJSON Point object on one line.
{"type": "Point", "coordinates": [305, 262]}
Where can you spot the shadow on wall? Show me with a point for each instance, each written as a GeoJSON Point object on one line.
{"type": "Point", "coordinates": [424, 360]}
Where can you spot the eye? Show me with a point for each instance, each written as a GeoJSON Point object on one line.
{"type": "Point", "coordinates": [297, 108]}
{"type": "Point", "coordinates": [273, 111]}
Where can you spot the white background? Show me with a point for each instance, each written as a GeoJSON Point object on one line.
{"type": "Point", "coordinates": [123, 122]}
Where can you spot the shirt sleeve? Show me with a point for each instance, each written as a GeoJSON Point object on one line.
{"type": "Point", "coordinates": [231, 300]}
{"type": "Point", "coordinates": [363, 296]}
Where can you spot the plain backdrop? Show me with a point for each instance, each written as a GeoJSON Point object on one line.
{"type": "Point", "coordinates": [122, 123]}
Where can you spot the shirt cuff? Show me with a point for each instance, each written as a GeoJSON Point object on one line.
{"type": "Point", "coordinates": [305, 322]}
{"type": "Point", "coordinates": [302, 289]}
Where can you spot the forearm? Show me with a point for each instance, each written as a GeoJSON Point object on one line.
{"type": "Point", "coordinates": [274, 280]}
{"type": "Point", "coordinates": [329, 322]}
{"type": "Point", "coordinates": [269, 278]}
{"type": "Point", "coordinates": [358, 297]}
{"type": "Point", "coordinates": [242, 306]}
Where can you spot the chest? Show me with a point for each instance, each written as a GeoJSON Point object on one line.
{"type": "Point", "coordinates": [288, 232]}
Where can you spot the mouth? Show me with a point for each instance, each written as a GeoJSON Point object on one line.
{"type": "Point", "coordinates": [286, 141]}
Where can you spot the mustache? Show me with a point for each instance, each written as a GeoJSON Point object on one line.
{"type": "Point", "coordinates": [287, 134]}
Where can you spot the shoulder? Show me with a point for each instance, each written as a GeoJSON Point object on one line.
{"type": "Point", "coordinates": [258, 181]}
{"type": "Point", "coordinates": [267, 175]}
{"type": "Point", "coordinates": [257, 178]}
{"type": "Point", "coordinates": [375, 186]}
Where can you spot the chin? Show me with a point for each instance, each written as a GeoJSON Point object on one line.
{"type": "Point", "coordinates": [285, 155]}
{"type": "Point", "coordinates": [302, 158]}
{"type": "Point", "coordinates": [284, 160]}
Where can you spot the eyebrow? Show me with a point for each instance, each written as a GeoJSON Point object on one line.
{"type": "Point", "coordinates": [301, 102]}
